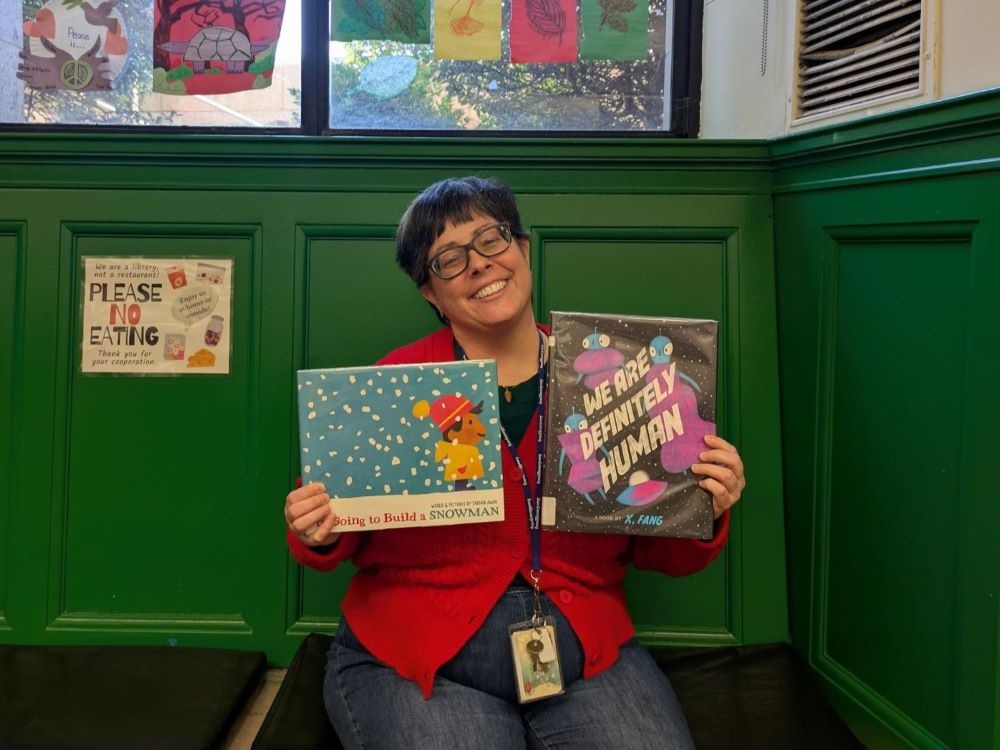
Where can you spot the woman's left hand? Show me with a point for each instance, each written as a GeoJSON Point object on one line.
{"type": "Point", "coordinates": [723, 472]}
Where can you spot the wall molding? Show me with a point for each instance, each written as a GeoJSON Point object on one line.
{"type": "Point", "coordinates": [838, 676]}
{"type": "Point", "coordinates": [59, 613]}
{"type": "Point", "coordinates": [949, 137]}
{"type": "Point", "coordinates": [146, 622]}
{"type": "Point", "coordinates": [179, 161]}
{"type": "Point", "coordinates": [14, 231]}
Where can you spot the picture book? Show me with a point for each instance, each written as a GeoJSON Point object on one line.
{"type": "Point", "coordinates": [403, 445]}
{"type": "Point", "coordinates": [630, 400]}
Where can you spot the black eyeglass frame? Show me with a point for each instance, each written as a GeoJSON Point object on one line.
{"type": "Point", "coordinates": [504, 227]}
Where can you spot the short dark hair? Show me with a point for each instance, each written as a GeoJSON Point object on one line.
{"type": "Point", "coordinates": [455, 200]}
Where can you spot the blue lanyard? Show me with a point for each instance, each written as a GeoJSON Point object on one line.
{"type": "Point", "coordinates": [533, 500]}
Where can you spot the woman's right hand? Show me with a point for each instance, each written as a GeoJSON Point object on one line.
{"type": "Point", "coordinates": [309, 515]}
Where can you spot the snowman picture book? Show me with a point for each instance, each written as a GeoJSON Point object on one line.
{"type": "Point", "coordinates": [403, 445]}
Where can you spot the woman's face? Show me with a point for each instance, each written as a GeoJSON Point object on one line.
{"type": "Point", "coordinates": [488, 294]}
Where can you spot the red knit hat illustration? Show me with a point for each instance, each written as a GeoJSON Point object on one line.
{"type": "Point", "coordinates": [445, 410]}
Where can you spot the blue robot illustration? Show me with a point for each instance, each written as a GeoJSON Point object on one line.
{"type": "Point", "coordinates": [678, 455]}
{"type": "Point", "coordinates": [661, 350]}
{"type": "Point", "coordinates": [598, 361]}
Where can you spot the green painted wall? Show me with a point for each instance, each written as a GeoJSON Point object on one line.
{"type": "Point", "coordinates": [862, 259]}
{"type": "Point", "coordinates": [886, 237]}
{"type": "Point", "coordinates": [148, 509]}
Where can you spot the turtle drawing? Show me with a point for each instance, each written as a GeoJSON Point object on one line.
{"type": "Point", "coordinates": [217, 43]}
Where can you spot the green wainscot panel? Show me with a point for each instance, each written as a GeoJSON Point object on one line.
{"type": "Point", "coordinates": [358, 305]}
{"type": "Point", "coordinates": [887, 296]}
{"type": "Point", "coordinates": [899, 366]}
{"type": "Point", "coordinates": [10, 250]}
{"type": "Point", "coordinates": [155, 465]}
{"type": "Point", "coordinates": [674, 278]}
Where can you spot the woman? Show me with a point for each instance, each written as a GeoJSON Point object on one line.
{"type": "Point", "coordinates": [422, 656]}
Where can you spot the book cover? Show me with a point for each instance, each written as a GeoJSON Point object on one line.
{"type": "Point", "coordinates": [403, 445]}
{"type": "Point", "coordinates": [630, 400]}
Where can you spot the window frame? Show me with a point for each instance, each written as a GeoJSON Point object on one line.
{"type": "Point", "coordinates": [685, 94]}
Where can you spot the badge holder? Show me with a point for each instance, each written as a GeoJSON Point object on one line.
{"type": "Point", "coordinates": [537, 672]}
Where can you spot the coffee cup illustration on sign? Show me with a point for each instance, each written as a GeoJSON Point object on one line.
{"type": "Point", "coordinates": [177, 277]}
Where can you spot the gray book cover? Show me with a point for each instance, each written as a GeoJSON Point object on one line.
{"type": "Point", "coordinates": [630, 400]}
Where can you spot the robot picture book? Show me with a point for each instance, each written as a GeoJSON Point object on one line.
{"type": "Point", "coordinates": [630, 401]}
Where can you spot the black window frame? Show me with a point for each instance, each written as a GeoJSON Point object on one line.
{"type": "Point", "coordinates": [685, 93]}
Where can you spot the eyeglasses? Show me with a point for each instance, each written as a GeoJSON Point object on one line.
{"type": "Point", "coordinates": [488, 241]}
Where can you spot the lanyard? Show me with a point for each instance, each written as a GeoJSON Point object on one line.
{"type": "Point", "coordinates": [533, 500]}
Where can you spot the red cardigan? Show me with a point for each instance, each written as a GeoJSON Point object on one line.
{"type": "Point", "coordinates": [419, 594]}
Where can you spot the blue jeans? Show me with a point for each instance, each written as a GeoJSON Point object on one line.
{"type": "Point", "coordinates": [474, 704]}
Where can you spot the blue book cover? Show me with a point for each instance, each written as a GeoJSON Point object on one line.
{"type": "Point", "coordinates": [403, 445]}
{"type": "Point", "coordinates": [630, 401]}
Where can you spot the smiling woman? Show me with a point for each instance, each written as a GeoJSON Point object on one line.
{"type": "Point", "coordinates": [485, 294]}
{"type": "Point", "coordinates": [447, 610]}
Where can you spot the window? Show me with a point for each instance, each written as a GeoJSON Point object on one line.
{"type": "Point", "coordinates": [856, 52]}
{"type": "Point", "coordinates": [174, 63]}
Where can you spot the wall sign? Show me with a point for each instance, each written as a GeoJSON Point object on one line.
{"type": "Point", "coordinates": [150, 315]}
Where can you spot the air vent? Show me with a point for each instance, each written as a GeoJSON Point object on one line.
{"type": "Point", "coordinates": [856, 52]}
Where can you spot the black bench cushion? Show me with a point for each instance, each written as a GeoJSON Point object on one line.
{"type": "Point", "coordinates": [297, 718]}
{"type": "Point", "coordinates": [752, 698]}
{"type": "Point", "coordinates": [122, 697]}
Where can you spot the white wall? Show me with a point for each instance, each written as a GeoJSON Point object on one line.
{"type": "Point", "coordinates": [969, 46]}
{"type": "Point", "coordinates": [737, 101]}
{"type": "Point", "coordinates": [962, 47]}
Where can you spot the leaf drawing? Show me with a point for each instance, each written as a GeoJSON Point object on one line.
{"type": "Point", "coordinates": [401, 15]}
{"type": "Point", "coordinates": [547, 18]}
{"type": "Point", "coordinates": [367, 13]}
{"type": "Point", "coordinates": [613, 14]}
{"type": "Point", "coordinates": [466, 25]}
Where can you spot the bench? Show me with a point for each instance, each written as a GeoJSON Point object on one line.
{"type": "Point", "coordinates": [749, 697]}
{"type": "Point", "coordinates": [123, 697]}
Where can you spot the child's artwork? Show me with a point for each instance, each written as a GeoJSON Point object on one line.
{"type": "Point", "coordinates": [467, 29]}
{"type": "Point", "coordinates": [74, 45]}
{"type": "Point", "coordinates": [543, 31]}
{"type": "Point", "coordinates": [214, 46]}
{"type": "Point", "coordinates": [399, 20]}
{"type": "Point", "coordinates": [403, 445]}
{"type": "Point", "coordinates": [630, 402]}
{"type": "Point", "coordinates": [614, 29]}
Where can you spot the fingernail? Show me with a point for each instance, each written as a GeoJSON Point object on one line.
{"type": "Point", "coordinates": [703, 456]}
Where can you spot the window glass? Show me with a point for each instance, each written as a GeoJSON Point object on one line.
{"type": "Point", "coordinates": [91, 62]}
{"type": "Point", "coordinates": [392, 85]}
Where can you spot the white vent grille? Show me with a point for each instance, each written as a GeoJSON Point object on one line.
{"type": "Point", "coordinates": [856, 51]}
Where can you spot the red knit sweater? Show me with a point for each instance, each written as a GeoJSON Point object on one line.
{"type": "Point", "coordinates": [419, 594]}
